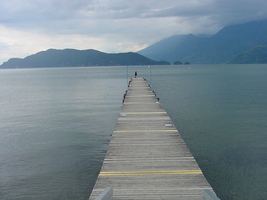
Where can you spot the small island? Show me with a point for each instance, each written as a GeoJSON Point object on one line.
{"type": "Point", "coordinates": [180, 63]}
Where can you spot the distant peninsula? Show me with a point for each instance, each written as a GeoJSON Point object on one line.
{"type": "Point", "coordinates": [79, 58]}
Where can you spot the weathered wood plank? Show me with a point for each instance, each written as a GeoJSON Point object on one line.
{"type": "Point", "coordinates": [147, 158]}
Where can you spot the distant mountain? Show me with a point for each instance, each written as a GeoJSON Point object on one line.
{"type": "Point", "coordinates": [219, 48]}
{"type": "Point", "coordinates": [156, 51]}
{"type": "Point", "coordinates": [257, 54]}
{"type": "Point", "coordinates": [74, 58]}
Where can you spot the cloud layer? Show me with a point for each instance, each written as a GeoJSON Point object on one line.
{"type": "Point", "coordinates": [28, 26]}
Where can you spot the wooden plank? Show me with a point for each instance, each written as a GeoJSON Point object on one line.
{"type": "Point", "coordinates": [147, 158]}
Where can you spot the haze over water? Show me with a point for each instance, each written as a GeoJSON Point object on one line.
{"type": "Point", "coordinates": [55, 125]}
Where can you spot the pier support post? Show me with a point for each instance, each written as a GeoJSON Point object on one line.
{"type": "Point", "coordinates": [150, 77]}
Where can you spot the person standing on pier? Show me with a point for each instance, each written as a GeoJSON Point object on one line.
{"type": "Point", "coordinates": [135, 74]}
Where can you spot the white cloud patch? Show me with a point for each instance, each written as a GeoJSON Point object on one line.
{"type": "Point", "coordinates": [24, 43]}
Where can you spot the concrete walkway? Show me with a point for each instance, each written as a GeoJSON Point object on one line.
{"type": "Point", "coordinates": [147, 158]}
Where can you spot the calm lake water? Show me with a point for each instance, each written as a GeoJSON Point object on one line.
{"type": "Point", "coordinates": [55, 126]}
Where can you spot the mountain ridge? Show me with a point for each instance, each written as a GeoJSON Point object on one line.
{"type": "Point", "coordinates": [219, 48]}
{"type": "Point", "coordinates": [223, 47]}
{"type": "Point", "coordinates": [78, 58]}
{"type": "Point", "coordinates": [257, 54]}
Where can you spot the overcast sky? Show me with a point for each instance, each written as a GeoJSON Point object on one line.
{"type": "Point", "coordinates": [29, 26]}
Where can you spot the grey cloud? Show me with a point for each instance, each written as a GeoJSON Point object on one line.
{"type": "Point", "coordinates": [224, 12]}
{"type": "Point", "coordinates": [238, 11]}
{"type": "Point", "coordinates": [68, 14]}
{"type": "Point", "coordinates": [18, 12]}
{"type": "Point", "coordinates": [137, 22]}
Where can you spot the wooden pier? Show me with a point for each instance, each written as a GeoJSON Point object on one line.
{"type": "Point", "coordinates": [147, 158]}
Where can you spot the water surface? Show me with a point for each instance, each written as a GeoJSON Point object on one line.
{"type": "Point", "coordinates": [221, 112]}
{"type": "Point", "coordinates": [55, 125]}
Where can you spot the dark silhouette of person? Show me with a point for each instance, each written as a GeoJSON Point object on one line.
{"type": "Point", "coordinates": [135, 74]}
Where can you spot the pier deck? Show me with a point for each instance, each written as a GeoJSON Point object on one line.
{"type": "Point", "coordinates": [147, 158]}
